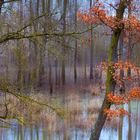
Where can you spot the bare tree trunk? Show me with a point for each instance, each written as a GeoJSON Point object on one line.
{"type": "Point", "coordinates": [19, 53]}
{"type": "Point", "coordinates": [120, 131]}
{"type": "Point", "coordinates": [120, 47]}
{"type": "Point", "coordinates": [75, 52]}
{"type": "Point", "coordinates": [1, 3]}
{"type": "Point", "coordinates": [129, 73]}
{"type": "Point", "coordinates": [64, 49]}
{"type": "Point", "coordinates": [120, 57]}
{"type": "Point", "coordinates": [56, 71]}
{"type": "Point", "coordinates": [42, 50]}
{"type": "Point", "coordinates": [129, 122]}
{"type": "Point", "coordinates": [35, 72]}
{"type": "Point", "coordinates": [48, 5]}
{"type": "Point", "coordinates": [50, 76]}
{"type": "Point", "coordinates": [129, 50]}
{"type": "Point", "coordinates": [85, 65]}
{"type": "Point", "coordinates": [91, 49]}
{"type": "Point", "coordinates": [137, 117]}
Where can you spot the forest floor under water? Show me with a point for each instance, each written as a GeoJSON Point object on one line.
{"type": "Point", "coordinates": [66, 116]}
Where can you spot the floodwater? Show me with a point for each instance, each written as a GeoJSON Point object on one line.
{"type": "Point", "coordinates": [79, 126]}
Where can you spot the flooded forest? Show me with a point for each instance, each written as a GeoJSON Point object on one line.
{"type": "Point", "coordinates": [69, 70]}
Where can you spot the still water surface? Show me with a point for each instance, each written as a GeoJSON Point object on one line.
{"type": "Point", "coordinates": [72, 132]}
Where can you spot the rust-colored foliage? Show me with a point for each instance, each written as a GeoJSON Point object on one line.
{"type": "Point", "coordinates": [134, 93]}
{"type": "Point", "coordinates": [99, 15]}
{"type": "Point", "coordinates": [117, 99]}
{"type": "Point", "coordinates": [115, 113]}
{"type": "Point", "coordinates": [118, 66]}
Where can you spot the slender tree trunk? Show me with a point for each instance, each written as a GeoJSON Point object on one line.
{"type": "Point", "coordinates": [1, 3]}
{"type": "Point", "coordinates": [110, 83]}
{"type": "Point", "coordinates": [122, 86]}
{"type": "Point", "coordinates": [120, 57]}
{"type": "Point", "coordinates": [85, 65]}
{"type": "Point", "coordinates": [64, 43]}
{"type": "Point", "coordinates": [8, 51]}
{"type": "Point", "coordinates": [137, 117]}
{"type": "Point", "coordinates": [7, 64]}
{"type": "Point", "coordinates": [19, 54]}
{"type": "Point", "coordinates": [50, 76]}
{"type": "Point", "coordinates": [56, 71]}
{"type": "Point", "coordinates": [120, 131]}
{"type": "Point", "coordinates": [129, 50]}
{"type": "Point", "coordinates": [120, 47]}
{"type": "Point", "coordinates": [129, 73]}
{"type": "Point", "coordinates": [129, 122]}
{"type": "Point", "coordinates": [42, 50]}
{"type": "Point", "coordinates": [75, 53]}
{"type": "Point", "coordinates": [48, 21]}
{"type": "Point", "coordinates": [91, 49]}
{"type": "Point", "coordinates": [35, 73]}
{"type": "Point", "coordinates": [31, 61]}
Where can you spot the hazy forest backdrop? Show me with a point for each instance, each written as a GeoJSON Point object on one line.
{"type": "Point", "coordinates": [55, 63]}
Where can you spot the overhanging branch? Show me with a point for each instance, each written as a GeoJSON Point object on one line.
{"type": "Point", "coordinates": [19, 35]}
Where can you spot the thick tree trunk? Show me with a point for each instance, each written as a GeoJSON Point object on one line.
{"type": "Point", "coordinates": [95, 133]}
{"type": "Point", "coordinates": [110, 87]}
{"type": "Point", "coordinates": [110, 83]}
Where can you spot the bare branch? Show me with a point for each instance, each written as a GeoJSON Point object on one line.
{"type": "Point", "coordinates": [19, 35]}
